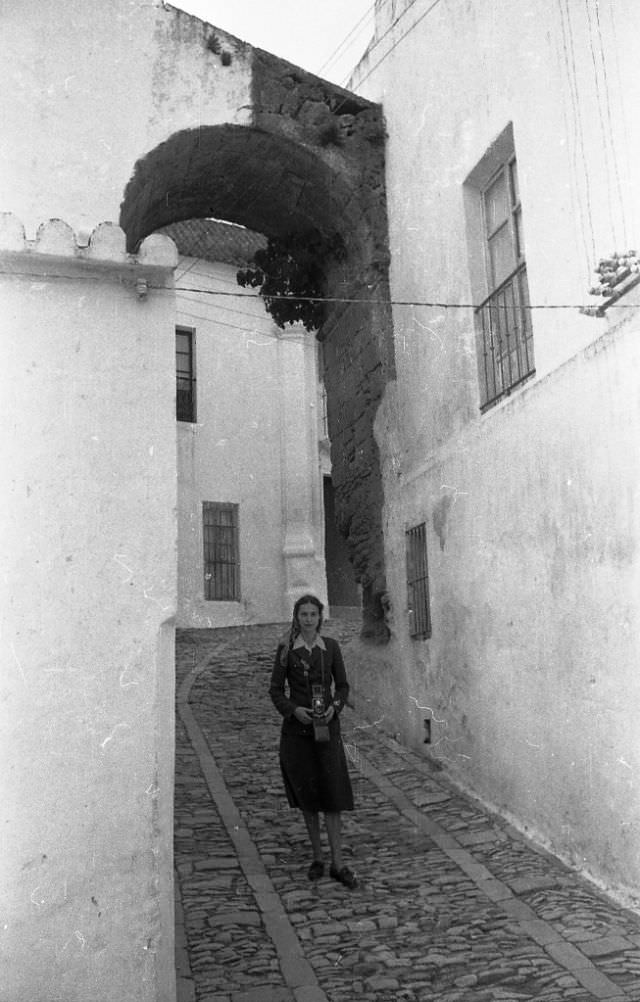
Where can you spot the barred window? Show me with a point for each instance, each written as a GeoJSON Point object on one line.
{"type": "Point", "coordinates": [418, 582]}
{"type": "Point", "coordinates": [504, 317]}
{"type": "Point", "coordinates": [498, 272]}
{"type": "Point", "coordinates": [221, 552]}
{"type": "Point", "coordinates": [324, 416]}
{"type": "Point", "coordinates": [185, 375]}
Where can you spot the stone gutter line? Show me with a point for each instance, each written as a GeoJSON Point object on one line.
{"type": "Point", "coordinates": [564, 953]}
{"type": "Point", "coordinates": [185, 986]}
{"type": "Point", "coordinates": [298, 974]}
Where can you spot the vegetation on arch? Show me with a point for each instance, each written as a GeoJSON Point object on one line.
{"type": "Point", "coordinates": [291, 274]}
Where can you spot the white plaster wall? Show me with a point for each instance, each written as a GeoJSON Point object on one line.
{"type": "Point", "coordinates": [530, 675]}
{"type": "Point", "coordinates": [254, 444]}
{"type": "Point", "coordinates": [532, 508]}
{"type": "Point", "coordinates": [89, 596]}
{"type": "Point", "coordinates": [449, 89]}
{"type": "Point", "coordinates": [68, 152]}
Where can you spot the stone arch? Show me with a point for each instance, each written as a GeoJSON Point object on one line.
{"type": "Point", "coordinates": [269, 184]}
{"type": "Point", "coordinates": [275, 181]}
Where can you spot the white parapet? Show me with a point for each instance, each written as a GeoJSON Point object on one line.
{"type": "Point", "coordinates": [88, 602]}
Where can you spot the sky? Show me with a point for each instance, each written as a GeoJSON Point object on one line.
{"type": "Point", "coordinates": [326, 37]}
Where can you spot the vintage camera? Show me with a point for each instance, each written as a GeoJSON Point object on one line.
{"type": "Point", "coordinates": [320, 728]}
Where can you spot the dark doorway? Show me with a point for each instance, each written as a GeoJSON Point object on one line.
{"type": "Point", "coordinates": [342, 589]}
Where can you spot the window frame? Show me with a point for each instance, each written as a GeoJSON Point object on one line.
{"type": "Point", "coordinates": [503, 320]}
{"type": "Point", "coordinates": [417, 576]}
{"type": "Point", "coordinates": [189, 378]}
{"type": "Point", "coordinates": [230, 588]}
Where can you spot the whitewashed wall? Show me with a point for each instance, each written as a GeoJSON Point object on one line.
{"type": "Point", "coordinates": [531, 509]}
{"type": "Point", "coordinates": [89, 524]}
{"type": "Point", "coordinates": [69, 148]}
{"type": "Point", "coordinates": [88, 604]}
{"type": "Point", "coordinates": [255, 444]}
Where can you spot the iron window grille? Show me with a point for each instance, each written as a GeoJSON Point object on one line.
{"type": "Point", "coordinates": [221, 552]}
{"type": "Point", "coordinates": [185, 375]}
{"type": "Point", "coordinates": [504, 318]}
{"type": "Point", "coordinates": [324, 415]}
{"type": "Point", "coordinates": [418, 582]}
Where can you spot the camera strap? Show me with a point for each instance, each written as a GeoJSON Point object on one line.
{"type": "Point", "coordinates": [306, 665]}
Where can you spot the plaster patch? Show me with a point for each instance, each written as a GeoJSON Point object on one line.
{"type": "Point", "coordinates": [429, 709]}
{"type": "Point", "coordinates": [111, 736]}
{"type": "Point", "coordinates": [440, 518]}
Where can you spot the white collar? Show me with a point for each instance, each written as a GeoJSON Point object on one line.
{"type": "Point", "coordinates": [318, 642]}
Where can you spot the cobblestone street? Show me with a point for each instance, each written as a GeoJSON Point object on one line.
{"type": "Point", "coordinates": [452, 905]}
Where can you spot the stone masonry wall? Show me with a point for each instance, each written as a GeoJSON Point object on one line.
{"type": "Point", "coordinates": [346, 135]}
{"type": "Point", "coordinates": [311, 158]}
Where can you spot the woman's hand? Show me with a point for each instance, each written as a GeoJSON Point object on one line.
{"type": "Point", "coordinates": [303, 714]}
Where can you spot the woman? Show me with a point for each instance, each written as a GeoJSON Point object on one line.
{"type": "Point", "coordinates": [312, 758]}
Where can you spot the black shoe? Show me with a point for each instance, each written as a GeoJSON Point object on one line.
{"type": "Point", "coordinates": [344, 876]}
{"type": "Point", "coordinates": [316, 870]}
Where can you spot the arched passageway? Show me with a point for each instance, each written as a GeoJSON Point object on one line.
{"type": "Point", "coordinates": [268, 183]}
{"type": "Point", "coordinates": [318, 169]}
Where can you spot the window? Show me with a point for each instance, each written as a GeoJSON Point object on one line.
{"type": "Point", "coordinates": [324, 416]}
{"type": "Point", "coordinates": [503, 319]}
{"type": "Point", "coordinates": [322, 390]}
{"type": "Point", "coordinates": [221, 552]}
{"type": "Point", "coordinates": [418, 582]}
{"type": "Point", "coordinates": [185, 375]}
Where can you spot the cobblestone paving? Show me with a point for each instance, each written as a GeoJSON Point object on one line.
{"type": "Point", "coordinates": [453, 906]}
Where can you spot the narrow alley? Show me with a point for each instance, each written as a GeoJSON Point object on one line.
{"type": "Point", "coordinates": [452, 904]}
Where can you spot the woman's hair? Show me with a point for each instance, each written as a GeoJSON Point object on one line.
{"type": "Point", "coordinates": [303, 600]}
{"type": "Point", "coordinates": [294, 630]}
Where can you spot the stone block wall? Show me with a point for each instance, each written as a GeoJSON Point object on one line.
{"type": "Point", "coordinates": [347, 137]}
{"type": "Point", "coordinates": [310, 158]}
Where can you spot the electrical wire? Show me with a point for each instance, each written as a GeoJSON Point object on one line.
{"type": "Point", "coordinates": [267, 335]}
{"type": "Point", "coordinates": [394, 302]}
{"type": "Point", "coordinates": [572, 77]}
{"type": "Point", "coordinates": [605, 136]}
{"type": "Point", "coordinates": [607, 93]}
{"type": "Point", "coordinates": [333, 56]}
{"type": "Point", "coordinates": [329, 299]}
{"type": "Point", "coordinates": [569, 54]}
{"type": "Point", "coordinates": [240, 313]}
{"type": "Point", "coordinates": [378, 41]}
{"type": "Point", "coordinates": [208, 248]}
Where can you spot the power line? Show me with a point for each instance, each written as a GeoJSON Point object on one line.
{"type": "Point", "coordinates": [607, 93]}
{"type": "Point", "coordinates": [378, 41]}
{"type": "Point", "coordinates": [374, 45]}
{"type": "Point", "coordinates": [572, 74]}
{"type": "Point", "coordinates": [249, 331]}
{"type": "Point", "coordinates": [398, 302]}
{"type": "Point", "coordinates": [225, 309]}
{"type": "Point", "coordinates": [436, 304]}
{"type": "Point", "coordinates": [343, 43]}
{"type": "Point", "coordinates": [208, 248]}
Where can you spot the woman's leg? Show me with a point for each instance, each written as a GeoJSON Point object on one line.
{"type": "Point", "coordinates": [312, 822]}
{"type": "Point", "coordinates": [333, 821]}
{"type": "Point", "coordinates": [338, 870]}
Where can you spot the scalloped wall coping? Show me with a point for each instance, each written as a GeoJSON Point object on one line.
{"type": "Point", "coordinates": [105, 245]}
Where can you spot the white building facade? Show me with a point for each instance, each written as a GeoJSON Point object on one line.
{"type": "Point", "coordinates": [250, 462]}
{"type": "Point", "coordinates": [509, 439]}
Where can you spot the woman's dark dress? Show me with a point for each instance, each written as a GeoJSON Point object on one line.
{"type": "Point", "coordinates": [315, 774]}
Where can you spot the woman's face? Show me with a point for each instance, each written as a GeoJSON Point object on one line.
{"type": "Point", "coordinates": [308, 617]}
